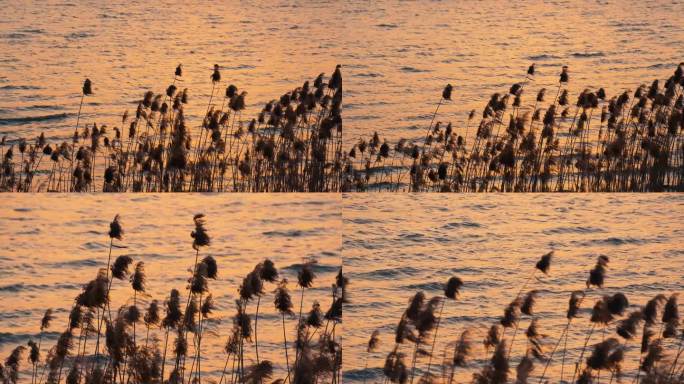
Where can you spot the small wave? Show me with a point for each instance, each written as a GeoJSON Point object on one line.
{"type": "Point", "coordinates": [461, 224]}
{"type": "Point", "coordinates": [543, 57]}
{"type": "Point", "coordinates": [659, 66]}
{"type": "Point", "coordinates": [35, 31]}
{"type": "Point", "coordinates": [39, 106]}
{"type": "Point", "coordinates": [387, 26]}
{"type": "Point", "coordinates": [361, 374]}
{"type": "Point", "coordinates": [78, 35]}
{"type": "Point", "coordinates": [241, 66]}
{"type": "Point", "coordinates": [391, 273]}
{"type": "Point", "coordinates": [19, 87]}
{"type": "Point", "coordinates": [364, 220]}
{"type": "Point", "coordinates": [320, 268]}
{"type": "Point", "coordinates": [614, 241]}
{"type": "Point", "coordinates": [369, 74]}
{"type": "Point", "coordinates": [22, 287]}
{"type": "Point", "coordinates": [588, 54]}
{"type": "Point", "coordinates": [413, 70]}
{"type": "Point", "coordinates": [425, 286]}
{"type": "Point", "coordinates": [20, 338]}
{"type": "Point", "coordinates": [290, 233]}
{"type": "Point", "coordinates": [78, 263]}
{"type": "Point", "coordinates": [14, 35]}
{"type": "Point", "coordinates": [580, 229]}
{"type": "Point", "coordinates": [33, 119]}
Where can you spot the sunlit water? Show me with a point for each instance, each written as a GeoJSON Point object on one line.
{"type": "Point", "coordinates": [51, 246]}
{"type": "Point", "coordinates": [395, 246]}
{"type": "Point", "coordinates": [396, 56]}
{"type": "Point", "coordinates": [126, 49]}
{"type": "Point", "coordinates": [402, 54]}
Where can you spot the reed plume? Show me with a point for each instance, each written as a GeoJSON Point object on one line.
{"type": "Point", "coordinates": [630, 145]}
{"type": "Point", "coordinates": [283, 303]}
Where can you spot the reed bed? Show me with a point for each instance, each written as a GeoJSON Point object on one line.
{"type": "Point", "coordinates": [145, 340]}
{"type": "Point", "coordinates": [515, 349]}
{"type": "Point", "coordinates": [293, 145]}
{"type": "Point", "coordinates": [557, 142]}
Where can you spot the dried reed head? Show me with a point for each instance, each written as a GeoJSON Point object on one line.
{"type": "Point", "coordinates": [138, 279]}
{"type": "Point", "coordinates": [314, 318]}
{"type": "Point", "coordinates": [47, 319]}
{"type": "Point", "coordinates": [12, 364]}
{"type": "Point", "coordinates": [252, 285]}
{"type": "Point", "coordinates": [650, 310]}
{"type": "Point", "coordinates": [544, 263]}
{"type": "Point", "coordinates": [462, 349]}
{"type": "Point", "coordinates": [120, 267]}
{"type": "Point", "coordinates": [258, 373]}
{"type": "Point", "coordinates": [446, 93]}
{"type": "Point", "coordinates": [87, 87]}
{"type": "Point", "coordinates": [208, 305]}
{"type": "Point", "coordinates": [511, 313]}
{"type": "Point", "coordinates": [395, 368]}
{"type": "Point", "coordinates": [283, 301]}
{"type": "Point", "coordinates": [452, 287]}
{"type": "Point", "coordinates": [152, 315]}
{"type": "Point", "coordinates": [199, 235]}
{"type": "Point", "coordinates": [373, 341]}
{"type": "Point", "coordinates": [305, 276]}
{"type": "Point", "coordinates": [527, 306]}
{"type": "Point", "coordinates": [34, 352]}
{"type": "Point", "coordinates": [627, 328]}
{"type": "Point", "coordinates": [524, 369]}
{"type": "Point", "coordinates": [671, 310]}
{"type": "Point", "coordinates": [598, 274]}
{"type": "Point", "coordinates": [216, 76]}
{"type": "Point", "coordinates": [211, 267]}
{"type": "Point", "coordinates": [617, 303]}
{"type": "Point", "coordinates": [493, 338]}
{"type": "Point", "coordinates": [115, 229]}
{"type": "Point", "coordinates": [268, 271]}
{"type": "Point", "coordinates": [75, 317]}
{"type": "Point", "coordinates": [600, 313]}
{"type": "Point", "coordinates": [95, 293]}
{"type": "Point", "coordinates": [607, 355]}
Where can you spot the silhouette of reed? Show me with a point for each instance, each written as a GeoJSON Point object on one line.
{"type": "Point", "coordinates": [628, 142]}
{"type": "Point", "coordinates": [609, 356]}
{"type": "Point", "coordinates": [293, 145]}
{"type": "Point", "coordinates": [118, 352]}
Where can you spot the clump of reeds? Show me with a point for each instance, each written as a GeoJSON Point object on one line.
{"type": "Point", "coordinates": [609, 357]}
{"type": "Point", "coordinates": [627, 142]}
{"type": "Point", "coordinates": [102, 344]}
{"type": "Point", "coordinates": [293, 144]}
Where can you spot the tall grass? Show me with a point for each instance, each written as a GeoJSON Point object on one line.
{"type": "Point", "coordinates": [602, 358]}
{"type": "Point", "coordinates": [294, 144]}
{"type": "Point", "coordinates": [118, 352]}
{"type": "Point", "coordinates": [631, 141]}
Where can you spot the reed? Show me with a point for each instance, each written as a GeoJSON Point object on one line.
{"type": "Point", "coordinates": [627, 142]}
{"type": "Point", "coordinates": [608, 359]}
{"type": "Point", "coordinates": [124, 356]}
{"type": "Point", "coordinates": [294, 144]}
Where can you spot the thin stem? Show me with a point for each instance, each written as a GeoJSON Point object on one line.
{"type": "Point", "coordinates": [434, 339]}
